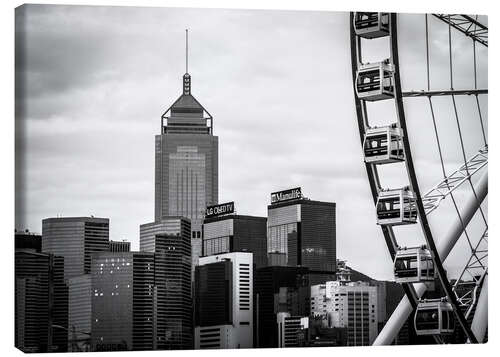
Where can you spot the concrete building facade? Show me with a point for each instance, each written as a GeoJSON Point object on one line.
{"type": "Point", "coordinates": [292, 330]}
{"type": "Point", "coordinates": [119, 246]}
{"type": "Point", "coordinates": [352, 305]}
{"type": "Point", "coordinates": [224, 306]}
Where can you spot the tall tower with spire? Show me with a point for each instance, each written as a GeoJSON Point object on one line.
{"type": "Point", "coordinates": [186, 162]}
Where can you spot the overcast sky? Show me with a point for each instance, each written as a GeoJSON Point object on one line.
{"type": "Point", "coordinates": [94, 81]}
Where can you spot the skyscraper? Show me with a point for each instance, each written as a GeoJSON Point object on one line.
{"type": "Point", "coordinates": [75, 238]}
{"type": "Point", "coordinates": [123, 297]}
{"type": "Point", "coordinates": [41, 305]}
{"type": "Point", "coordinates": [302, 232]}
{"type": "Point", "coordinates": [234, 233]}
{"type": "Point", "coordinates": [224, 301]}
{"type": "Point", "coordinates": [186, 163]}
{"type": "Point", "coordinates": [169, 240]}
{"type": "Point", "coordinates": [79, 313]}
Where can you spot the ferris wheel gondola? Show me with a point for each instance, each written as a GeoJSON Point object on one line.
{"type": "Point", "coordinates": [414, 265]}
{"type": "Point", "coordinates": [434, 317]}
{"type": "Point", "coordinates": [383, 145]}
{"type": "Point", "coordinates": [371, 24]}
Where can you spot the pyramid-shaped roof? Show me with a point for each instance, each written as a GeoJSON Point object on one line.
{"type": "Point", "coordinates": [186, 101]}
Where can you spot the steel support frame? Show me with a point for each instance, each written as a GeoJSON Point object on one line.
{"type": "Point", "coordinates": [446, 186]}
{"type": "Point", "coordinates": [467, 25]}
{"type": "Point", "coordinates": [475, 269]}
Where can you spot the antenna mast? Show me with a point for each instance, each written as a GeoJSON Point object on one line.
{"type": "Point", "coordinates": [186, 50]}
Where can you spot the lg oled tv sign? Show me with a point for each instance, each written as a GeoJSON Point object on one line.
{"type": "Point", "coordinates": [219, 210]}
{"type": "Point", "coordinates": [286, 195]}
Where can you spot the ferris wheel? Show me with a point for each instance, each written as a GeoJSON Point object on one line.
{"type": "Point", "coordinates": [463, 301]}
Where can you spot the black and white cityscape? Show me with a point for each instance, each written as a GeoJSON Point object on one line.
{"type": "Point", "coordinates": [307, 257]}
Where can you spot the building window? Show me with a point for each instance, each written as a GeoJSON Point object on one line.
{"type": "Point", "coordinates": [216, 245]}
{"type": "Point", "coordinates": [277, 237]}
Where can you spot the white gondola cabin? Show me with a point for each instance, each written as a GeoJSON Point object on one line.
{"type": "Point", "coordinates": [375, 81]}
{"type": "Point", "coordinates": [414, 265]}
{"type": "Point", "coordinates": [371, 24]}
{"type": "Point", "coordinates": [396, 207]}
{"type": "Point", "coordinates": [383, 145]}
{"type": "Point", "coordinates": [434, 317]}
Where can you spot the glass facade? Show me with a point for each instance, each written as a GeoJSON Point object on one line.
{"type": "Point", "coordinates": [304, 232]}
{"type": "Point", "coordinates": [186, 183]}
{"type": "Point", "coordinates": [75, 238]}
{"type": "Point", "coordinates": [236, 233]}
{"type": "Point", "coordinates": [41, 299]}
{"type": "Point", "coordinates": [170, 241]}
{"type": "Point", "coordinates": [216, 245]}
{"type": "Point", "coordinates": [112, 301]}
{"type": "Point", "coordinates": [186, 164]}
{"type": "Point", "coordinates": [279, 236]}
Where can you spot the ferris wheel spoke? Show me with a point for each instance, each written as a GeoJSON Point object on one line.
{"type": "Point", "coordinates": [435, 93]}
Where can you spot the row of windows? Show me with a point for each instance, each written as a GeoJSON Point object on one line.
{"type": "Point", "coordinates": [216, 245]}
{"type": "Point", "coordinates": [277, 237]}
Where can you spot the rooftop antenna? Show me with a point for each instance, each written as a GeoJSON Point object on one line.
{"type": "Point", "coordinates": [186, 50]}
{"type": "Point", "coordinates": [187, 77]}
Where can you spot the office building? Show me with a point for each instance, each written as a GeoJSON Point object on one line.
{"type": "Point", "coordinates": [169, 240]}
{"type": "Point", "coordinates": [123, 296]}
{"type": "Point", "coordinates": [75, 239]}
{"type": "Point", "coordinates": [41, 302]}
{"type": "Point", "coordinates": [186, 164]}
{"type": "Point", "coordinates": [275, 289]}
{"type": "Point", "coordinates": [301, 232]}
{"type": "Point", "coordinates": [27, 240]}
{"type": "Point", "coordinates": [227, 233]}
{"type": "Point", "coordinates": [347, 305]}
{"type": "Point", "coordinates": [79, 313]}
{"type": "Point", "coordinates": [119, 246]}
{"type": "Point", "coordinates": [224, 301]}
{"type": "Point", "coordinates": [293, 331]}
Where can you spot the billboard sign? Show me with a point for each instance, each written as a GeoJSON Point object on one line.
{"type": "Point", "coordinates": [286, 195]}
{"type": "Point", "coordinates": [219, 210]}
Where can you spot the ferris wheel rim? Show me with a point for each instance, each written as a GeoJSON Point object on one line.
{"type": "Point", "coordinates": [372, 171]}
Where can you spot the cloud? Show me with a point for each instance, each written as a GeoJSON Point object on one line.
{"type": "Point", "coordinates": [92, 83]}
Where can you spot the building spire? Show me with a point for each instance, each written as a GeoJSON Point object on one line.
{"type": "Point", "coordinates": [187, 77]}
{"type": "Point", "coordinates": [186, 50]}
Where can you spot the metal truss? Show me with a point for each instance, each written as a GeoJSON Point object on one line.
{"type": "Point", "coordinates": [467, 25]}
{"type": "Point", "coordinates": [433, 197]}
{"type": "Point", "coordinates": [434, 93]}
{"type": "Point", "coordinates": [471, 278]}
